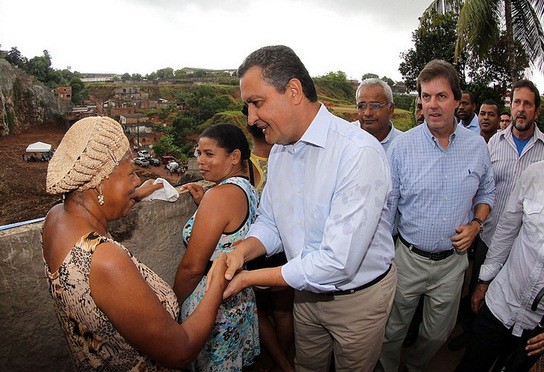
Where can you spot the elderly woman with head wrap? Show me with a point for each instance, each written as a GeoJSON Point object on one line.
{"type": "Point", "coordinates": [115, 312]}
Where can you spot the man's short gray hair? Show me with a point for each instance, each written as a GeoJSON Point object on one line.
{"type": "Point", "coordinates": [375, 81]}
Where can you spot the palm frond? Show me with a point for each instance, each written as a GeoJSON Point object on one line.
{"type": "Point", "coordinates": [478, 26]}
{"type": "Point", "coordinates": [527, 28]}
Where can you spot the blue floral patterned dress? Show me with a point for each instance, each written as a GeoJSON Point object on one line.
{"type": "Point", "coordinates": [234, 342]}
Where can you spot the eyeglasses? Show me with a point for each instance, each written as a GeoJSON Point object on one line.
{"type": "Point", "coordinates": [374, 106]}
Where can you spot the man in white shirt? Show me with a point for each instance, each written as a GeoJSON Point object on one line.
{"type": "Point", "coordinates": [511, 151]}
{"type": "Point", "coordinates": [325, 204]}
{"type": "Point", "coordinates": [510, 279]}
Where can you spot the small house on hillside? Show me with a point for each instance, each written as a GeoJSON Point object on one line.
{"type": "Point", "coordinates": [38, 151]}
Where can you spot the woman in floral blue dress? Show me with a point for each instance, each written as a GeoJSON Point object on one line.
{"type": "Point", "coordinates": [223, 217]}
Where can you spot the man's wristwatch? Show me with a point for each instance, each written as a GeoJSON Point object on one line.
{"type": "Point", "coordinates": [480, 222]}
{"type": "Point", "coordinates": [480, 281]}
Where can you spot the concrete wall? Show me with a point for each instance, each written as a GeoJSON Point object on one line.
{"type": "Point", "coordinates": [30, 336]}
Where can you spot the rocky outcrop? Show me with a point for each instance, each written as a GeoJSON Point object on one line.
{"type": "Point", "coordinates": [24, 102]}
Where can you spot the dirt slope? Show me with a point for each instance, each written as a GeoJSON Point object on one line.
{"type": "Point", "coordinates": [22, 184]}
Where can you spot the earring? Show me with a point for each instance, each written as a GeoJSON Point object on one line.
{"type": "Point", "coordinates": [100, 195]}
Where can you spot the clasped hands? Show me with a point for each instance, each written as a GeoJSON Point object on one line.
{"type": "Point", "coordinates": [229, 268]}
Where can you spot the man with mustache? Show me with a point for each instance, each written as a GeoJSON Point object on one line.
{"type": "Point", "coordinates": [375, 107]}
{"type": "Point", "coordinates": [488, 118]}
{"type": "Point", "coordinates": [511, 151]}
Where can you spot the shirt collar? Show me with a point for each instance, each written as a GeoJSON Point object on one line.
{"type": "Point", "coordinates": [317, 131]}
{"type": "Point", "coordinates": [507, 133]}
{"type": "Point", "coordinates": [388, 137]}
{"type": "Point", "coordinates": [432, 138]}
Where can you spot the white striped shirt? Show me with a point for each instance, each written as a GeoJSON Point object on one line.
{"type": "Point", "coordinates": [507, 167]}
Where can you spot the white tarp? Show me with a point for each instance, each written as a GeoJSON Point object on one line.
{"type": "Point", "coordinates": [38, 147]}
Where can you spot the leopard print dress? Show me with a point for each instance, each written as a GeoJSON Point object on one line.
{"type": "Point", "coordinates": [93, 341]}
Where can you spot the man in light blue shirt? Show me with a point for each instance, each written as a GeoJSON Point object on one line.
{"type": "Point", "coordinates": [325, 203]}
{"type": "Point", "coordinates": [467, 112]}
{"type": "Point", "coordinates": [442, 196]}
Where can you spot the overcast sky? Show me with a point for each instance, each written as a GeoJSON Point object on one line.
{"type": "Point", "coordinates": [142, 36]}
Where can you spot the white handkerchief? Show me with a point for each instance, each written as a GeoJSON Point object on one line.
{"type": "Point", "coordinates": [167, 193]}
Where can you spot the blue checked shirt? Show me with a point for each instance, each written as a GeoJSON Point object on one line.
{"type": "Point", "coordinates": [325, 202]}
{"type": "Point", "coordinates": [436, 189]}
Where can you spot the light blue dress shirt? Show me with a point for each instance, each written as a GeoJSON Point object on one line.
{"type": "Point", "coordinates": [518, 244]}
{"type": "Point", "coordinates": [325, 200]}
{"type": "Point", "coordinates": [473, 126]}
{"type": "Point", "coordinates": [436, 189]}
{"type": "Point", "coordinates": [393, 133]}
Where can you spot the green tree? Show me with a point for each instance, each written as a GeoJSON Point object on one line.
{"type": "Point", "coordinates": [389, 81]}
{"type": "Point", "coordinates": [336, 82]}
{"type": "Point", "coordinates": [180, 74]}
{"type": "Point", "coordinates": [495, 69]}
{"type": "Point", "coordinates": [125, 77]}
{"type": "Point", "coordinates": [480, 22]}
{"type": "Point", "coordinates": [165, 73]}
{"type": "Point", "coordinates": [15, 57]}
{"type": "Point", "coordinates": [370, 75]}
{"type": "Point", "coordinates": [183, 125]}
{"type": "Point", "coordinates": [79, 92]}
{"type": "Point", "coordinates": [40, 66]}
{"type": "Point", "coordinates": [434, 38]}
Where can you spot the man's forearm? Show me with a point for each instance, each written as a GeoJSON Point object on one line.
{"type": "Point", "coordinates": [250, 249]}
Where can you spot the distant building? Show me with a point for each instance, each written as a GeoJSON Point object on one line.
{"type": "Point", "coordinates": [64, 98]}
{"type": "Point", "coordinates": [80, 112]}
{"type": "Point", "coordinates": [97, 77]}
{"type": "Point", "coordinates": [139, 130]}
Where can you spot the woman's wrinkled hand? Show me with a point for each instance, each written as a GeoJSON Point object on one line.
{"type": "Point", "coordinates": [147, 188]}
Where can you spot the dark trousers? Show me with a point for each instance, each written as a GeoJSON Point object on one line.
{"type": "Point", "coordinates": [491, 341]}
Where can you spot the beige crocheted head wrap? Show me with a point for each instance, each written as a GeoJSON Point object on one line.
{"type": "Point", "coordinates": [89, 152]}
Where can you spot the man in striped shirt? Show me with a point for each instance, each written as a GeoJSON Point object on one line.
{"type": "Point", "coordinates": [511, 151]}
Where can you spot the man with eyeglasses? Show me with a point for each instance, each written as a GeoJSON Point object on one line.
{"type": "Point", "coordinates": [442, 197]}
{"type": "Point", "coordinates": [375, 107]}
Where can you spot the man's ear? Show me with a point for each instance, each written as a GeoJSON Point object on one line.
{"type": "Point", "coordinates": [294, 91]}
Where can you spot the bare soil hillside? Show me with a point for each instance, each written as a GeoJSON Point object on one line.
{"type": "Point", "coordinates": [22, 184]}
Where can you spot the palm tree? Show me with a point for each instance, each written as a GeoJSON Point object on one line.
{"type": "Point", "coordinates": [480, 22]}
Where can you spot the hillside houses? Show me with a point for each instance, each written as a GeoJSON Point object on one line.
{"type": "Point", "coordinates": [139, 130]}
